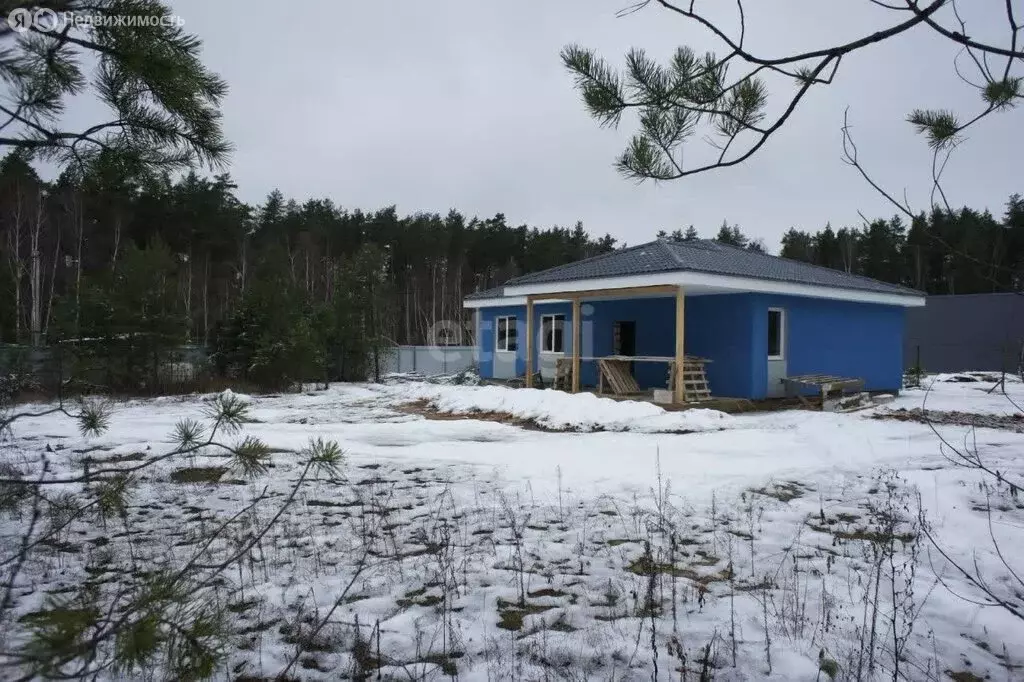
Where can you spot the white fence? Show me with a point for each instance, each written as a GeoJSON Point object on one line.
{"type": "Point", "coordinates": [430, 360]}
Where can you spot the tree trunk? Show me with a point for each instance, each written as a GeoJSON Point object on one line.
{"type": "Point", "coordinates": [444, 301]}
{"type": "Point", "coordinates": [53, 285]}
{"type": "Point", "coordinates": [373, 332]}
{"type": "Point", "coordinates": [16, 274]}
{"type": "Point", "coordinates": [188, 296]}
{"type": "Point", "coordinates": [117, 240]}
{"type": "Point", "coordinates": [245, 244]}
{"type": "Point", "coordinates": [80, 226]}
{"type": "Point", "coordinates": [433, 304]}
{"type": "Point", "coordinates": [17, 307]}
{"type": "Point", "coordinates": [291, 264]}
{"type": "Point", "coordinates": [206, 301]}
{"type": "Point", "coordinates": [408, 310]}
{"type": "Point", "coordinates": [917, 267]}
{"type": "Point", "coordinates": [16, 265]}
{"type": "Point", "coordinates": [36, 281]}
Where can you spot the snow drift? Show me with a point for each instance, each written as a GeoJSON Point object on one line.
{"type": "Point", "coordinates": [563, 411]}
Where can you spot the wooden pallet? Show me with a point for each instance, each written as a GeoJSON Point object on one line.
{"type": "Point", "coordinates": [832, 388]}
{"type": "Point", "coordinates": [695, 380]}
{"type": "Point", "coordinates": [616, 374]}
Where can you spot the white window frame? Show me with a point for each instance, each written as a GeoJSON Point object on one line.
{"type": "Point", "coordinates": [510, 323]}
{"type": "Point", "coordinates": [547, 341]}
{"type": "Point", "coordinates": [782, 334]}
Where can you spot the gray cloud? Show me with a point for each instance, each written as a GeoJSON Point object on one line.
{"type": "Point", "coordinates": [465, 104]}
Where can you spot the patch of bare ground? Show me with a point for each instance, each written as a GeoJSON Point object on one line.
{"type": "Point", "coordinates": [424, 409]}
{"type": "Point", "coordinates": [785, 491]}
{"type": "Point", "coordinates": [1009, 422]}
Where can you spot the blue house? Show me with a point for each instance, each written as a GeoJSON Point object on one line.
{"type": "Point", "coordinates": [755, 318]}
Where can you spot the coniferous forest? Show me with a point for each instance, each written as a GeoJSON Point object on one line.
{"type": "Point", "coordinates": [286, 289]}
{"type": "Point", "coordinates": [276, 291]}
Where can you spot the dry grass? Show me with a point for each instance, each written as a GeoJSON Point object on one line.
{"type": "Point", "coordinates": [1010, 422]}
{"type": "Point", "coordinates": [511, 615]}
{"type": "Point", "coordinates": [198, 475]}
{"type": "Point", "coordinates": [786, 491]}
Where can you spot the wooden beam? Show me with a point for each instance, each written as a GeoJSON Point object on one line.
{"type": "Point", "coordinates": [529, 343]}
{"type": "Point", "coordinates": [662, 289]}
{"type": "Point", "coordinates": [576, 345]}
{"type": "Point", "coordinates": [677, 389]}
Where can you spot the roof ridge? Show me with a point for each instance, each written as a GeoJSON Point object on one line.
{"type": "Point", "coordinates": [671, 252]}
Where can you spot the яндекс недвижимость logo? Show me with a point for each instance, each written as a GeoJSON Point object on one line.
{"type": "Point", "coordinates": [45, 20]}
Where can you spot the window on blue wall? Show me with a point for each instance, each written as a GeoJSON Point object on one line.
{"type": "Point", "coordinates": [552, 328]}
{"type": "Point", "coordinates": [776, 333]}
{"type": "Point", "coordinates": [505, 339]}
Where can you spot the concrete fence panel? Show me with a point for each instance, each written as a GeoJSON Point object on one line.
{"type": "Point", "coordinates": [431, 360]}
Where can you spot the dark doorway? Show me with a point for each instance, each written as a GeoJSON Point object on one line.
{"type": "Point", "coordinates": [624, 340]}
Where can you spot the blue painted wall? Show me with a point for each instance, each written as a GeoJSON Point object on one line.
{"type": "Point", "coordinates": [822, 336]}
{"type": "Point", "coordinates": [722, 329]}
{"type": "Point", "coordinates": [861, 340]}
{"type": "Point", "coordinates": [488, 332]}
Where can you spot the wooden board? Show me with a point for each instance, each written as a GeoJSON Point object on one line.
{"type": "Point", "coordinates": [529, 343]}
{"type": "Point", "coordinates": [824, 381]}
{"type": "Point", "coordinates": [827, 384]}
{"type": "Point", "coordinates": [576, 342]}
{"type": "Point", "coordinates": [679, 358]}
{"type": "Point", "coordinates": [624, 292]}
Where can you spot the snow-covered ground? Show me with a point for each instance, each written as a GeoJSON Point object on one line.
{"type": "Point", "coordinates": [972, 392]}
{"type": "Point", "coordinates": [745, 546]}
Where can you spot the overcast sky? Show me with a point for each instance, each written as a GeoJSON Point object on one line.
{"type": "Point", "coordinates": [465, 104]}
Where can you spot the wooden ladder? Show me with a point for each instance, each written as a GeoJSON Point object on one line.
{"type": "Point", "coordinates": [695, 380]}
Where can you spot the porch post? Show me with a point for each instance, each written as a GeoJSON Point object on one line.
{"type": "Point", "coordinates": [529, 342]}
{"type": "Point", "coordinates": [477, 342]}
{"type": "Point", "coordinates": [680, 357]}
{"type": "Point", "coordinates": [576, 345]}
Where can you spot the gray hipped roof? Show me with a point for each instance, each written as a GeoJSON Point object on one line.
{"type": "Point", "coordinates": [496, 292]}
{"type": "Point", "coordinates": [707, 256]}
